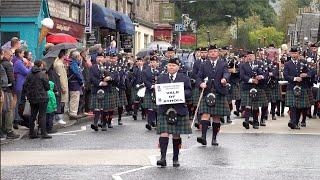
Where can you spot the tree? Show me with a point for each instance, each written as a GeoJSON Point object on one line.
{"type": "Point", "coordinates": [271, 34]}
{"type": "Point", "coordinates": [245, 26]}
{"type": "Point", "coordinates": [219, 35]}
{"type": "Point", "coordinates": [288, 12]}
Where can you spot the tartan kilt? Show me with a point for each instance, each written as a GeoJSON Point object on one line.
{"type": "Point", "coordinates": [122, 98]}
{"type": "Point", "coordinates": [302, 101]}
{"type": "Point", "coordinates": [318, 95]}
{"type": "Point", "coordinates": [310, 93]}
{"type": "Point", "coordinates": [273, 95]}
{"type": "Point", "coordinates": [134, 96]}
{"type": "Point", "coordinates": [182, 126]}
{"type": "Point", "coordinates": [261, 100]}
{"type": "Point", "coordinates": [234, 93]}
{"type": "Point", "coordinates": [109, 101]}
{"type": "Point", "coordinates": [148, 103]}
{"type": "Point", "coordinates": [195, 96]}
{"type": "Point", "coordinates": [221, 107]}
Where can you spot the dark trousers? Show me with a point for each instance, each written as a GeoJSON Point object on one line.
{"type": "Point", "coordinates": [40, 110]}
{"type": "Point", "coordinates": [49, 121]}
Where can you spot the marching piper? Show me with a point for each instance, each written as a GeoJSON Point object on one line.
{"type": "Point", "coordinates": [297, 96]}
{"type": "Point", "coordinates": [253, 95]}
{"type": "Point", "coordinates": [102, 98]}
{"type": "Point", "coordinates": [172, 119]}
{"type": "Point", "coordinates": [212, 79]}
{"type": "Point", "coordinates": [151, 74]}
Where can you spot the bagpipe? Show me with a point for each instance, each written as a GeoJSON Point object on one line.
{"type": "Point", "coordinates": [155, 75]}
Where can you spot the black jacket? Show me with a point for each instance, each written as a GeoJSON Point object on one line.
{"type": "Point", "coordinates": [7, 65]}
{"type": "Point", "coordinates": [36, 86]}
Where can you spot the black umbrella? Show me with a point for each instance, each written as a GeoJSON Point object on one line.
{"type": "Point", "coordinates": [54, 52]}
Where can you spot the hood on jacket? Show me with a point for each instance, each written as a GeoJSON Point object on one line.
{"type": "Point", "coordinates": [51, 85]}
{"type": "Point", "coordinates": [35, 69]}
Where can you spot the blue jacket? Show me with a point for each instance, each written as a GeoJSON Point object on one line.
{"type": "Point", "coordinates": [291, 71]}
{"type": "Point", "coordinates": [181, 108]}
{"type": "Point", "coordinates": [247, 73]}
{"type": "Point", "coordinates": [149, 77]}
{"type": "Point", "coordinates": [20, 72]}
{"type": "Point", "coordinates": [75, 79]}
{"type": "Point", "coordinates": [214, 76]}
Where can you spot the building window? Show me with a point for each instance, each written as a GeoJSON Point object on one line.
{"type": "Point", "coordinates": [147, 5]}
{"type": "Point", "coordinates": [117, 5]}
{"type": "Point", "coordinates": [107, 3]}
{"type": "Point", "coordinates": [146, 40]}
{"type": "Point", "coordinates": [151, 38]}
{"type": "Point", "coordinates": [138, 2]}
{"type": "Point", "coordinates": [70, 10]}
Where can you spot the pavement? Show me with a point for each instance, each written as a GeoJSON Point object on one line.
{"type": "Point", "coordinates": [130, 152]}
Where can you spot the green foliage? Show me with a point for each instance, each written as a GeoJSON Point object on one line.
{"type": "Point", "coordinates": [219, 35]}
{"type": "Point", "coordinates": [245, 27]}
{"type": "Point", "coordinates": [256, 38]}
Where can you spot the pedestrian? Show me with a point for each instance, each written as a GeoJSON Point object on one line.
{"type": "Point", "coordinates": [37, 81]}
{"type": "Point", "coordinates": [51, 108]}
{"type": "Point", "coordinates": [84, 106]}
{"type": "Point", "coordinates": [3, 85]}
{"type": "Point", "coordinates": [121, 86]}
{"type": "Point", "coordinates": [20, 72]}
{"type": "Point", "coordinates": [212, 79]}
{"type": "Point", "coordinates": [75, 83]}
{"type": "Point", "coordinates": [61, 70]}
{"type": "Point", "coordinates": [165, 125]}
{"type": "Point", "coordinates": [8, 106]}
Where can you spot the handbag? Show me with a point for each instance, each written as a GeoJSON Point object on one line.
{"type": "Point", "coordinates": [27, 109]}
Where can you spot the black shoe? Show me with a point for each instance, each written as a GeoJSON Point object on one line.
{"type": "Point", "coordinates": [282, 114]}
{"type": "Point", "coordinates": [202, 141]}
{"type": "Point", "coordinates": [278, 113]}
{"type": "Point", "coordinates": [290, 125]}
{"type": "Point", "coordinates": [245, 124]}
{"type": "Point", "coordinates": [262, 122]}
{"type": "Point", "coordinates": [148, 126]}
{"type": "Point", "coordinates": [100, 125]}
{"type": "Point", "coordinates": [309, 116]}
{"type": "Point", "coordinates": [45, 136]}
{"type": "Point", "coordinates": [34, 136]}
{"type": "Point", "coordinates": [104, 128]}
{"type": "Point", "coordinates": [94, 127]}
{"type": "Point", "coordinates": [110, 125]}
{"type": "Point", "coordinates": [134, 117]}
{"type": "Point", "coordinates": [314, 116]}
{"type": "Point", "coordinates": [153, 124]}
{"type": "Point", "coordinates": [119, 122]}
{"type": "Point", "coordinates": [176, 163]}
{"type": "Point", "coordinates": [295, 126]}
{"type": "Point", "coordinates": [15, 125]}
{"type": "Point", "coordinates": [236, 113]}
{"type": "Point", "coordinates": [274, 117]}
{"type": "Point", "coordinates": [12, 135]}
{"type": "Point", "coordinates": [255, 125]}
{"type": "Point", "coordinates": [214, 142]}
{"type": "Point", "coordinates": [222, 120]}
{"type": "Point", "coordinates": [303, 124]}
{"type": "Point", "coordinates": [229, 120]}
{"type": "Point", "coordinates": [52, 131]}
{"type": "Point", "coordinates": [197, 125]}
{"type": "Point", "coordinates": [162, 163]}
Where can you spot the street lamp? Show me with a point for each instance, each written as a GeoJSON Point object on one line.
{"type": "Point", "coordinates": [237, 27]}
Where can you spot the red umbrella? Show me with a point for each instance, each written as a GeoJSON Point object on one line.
{"type": "Point", "coordinates": [61, 38]}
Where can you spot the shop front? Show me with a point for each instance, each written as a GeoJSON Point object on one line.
{"type": "Point", "coordinates": [24, 23]}
{"type": "Point", "coordinates": [109, 25]}
{"type": "Point", "coordinates": [69, 28]}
